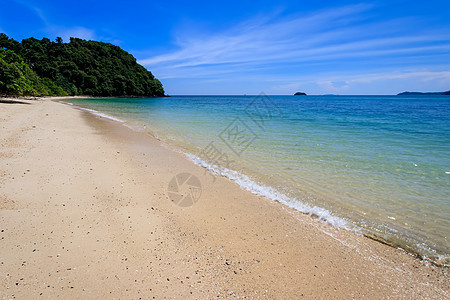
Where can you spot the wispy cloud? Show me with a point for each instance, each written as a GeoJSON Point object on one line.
{"type": "Point", "coordinates": [324, 35]}
{"type": "Point", "coordinates": [364, 82]}
{"type": "Point", "coordinates": [67, 32]}
{"type": "Point", "coordinates": [40, 14]}
{"type": "Point", "coordinates": [56, 30]}
{"type": "Point", "coordinates": [277, 44]}
{"type": "Point", "coordinates": [257, 39]}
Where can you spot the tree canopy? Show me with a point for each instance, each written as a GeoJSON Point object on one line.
{"type": "Point", "coordinates": [80, 67]}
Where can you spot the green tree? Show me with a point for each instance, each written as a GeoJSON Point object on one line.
{"type": "Point", "coordinates": [17, 78]}
{"type": "Point", "coordinates": [80, 66]}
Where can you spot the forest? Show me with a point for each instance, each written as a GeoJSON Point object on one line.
{"type": "Point", "coordinates": [43, 67]}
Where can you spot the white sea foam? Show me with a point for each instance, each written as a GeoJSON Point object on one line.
{"type": "Point", "coordinates": [66, 102]}
{"type": "Point", "coordinates": [316, 212]}
{"type": "Point", "coordinates": [269, 192]}
{"type": "Point", "coordinates": [97, 113]}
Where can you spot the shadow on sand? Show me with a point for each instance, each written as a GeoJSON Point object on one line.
{"type": "Point", "coordinates": [12, 101]}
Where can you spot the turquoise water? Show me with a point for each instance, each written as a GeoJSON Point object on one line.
{"type": "Point", "coordinates": [379, 165]}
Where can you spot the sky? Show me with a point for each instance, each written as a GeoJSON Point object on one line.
{"type": "Point", "coordinates": [248, 47]}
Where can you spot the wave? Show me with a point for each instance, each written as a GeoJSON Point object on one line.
{"type": "Point", "coordinates": [318, 213]}
{"type": "Point", "coordinates": [247, 184]}
{"type": "Point", "coordinates": [97, 113]}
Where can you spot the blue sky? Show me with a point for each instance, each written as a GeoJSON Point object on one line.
{"type": "Point", "coordinates": [246, 47]}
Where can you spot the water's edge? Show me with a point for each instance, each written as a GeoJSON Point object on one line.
{"type": "Point", "coordinates": [315, 212]}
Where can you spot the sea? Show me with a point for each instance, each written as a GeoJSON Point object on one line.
{"type": "Point", "coordinates": [375, 165]}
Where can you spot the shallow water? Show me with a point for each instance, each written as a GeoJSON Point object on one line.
{"type": "Point", "coordinates": [379, 165]}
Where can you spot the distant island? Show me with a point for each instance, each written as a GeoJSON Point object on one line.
{"type": "Point", "coordinates": [300, 94]}
{"type": "Point", "coordinates": [45, 68]}
{"type": "Point", "coordinates": [424, 93]}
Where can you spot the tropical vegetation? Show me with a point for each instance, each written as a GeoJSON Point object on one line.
{"type": "Point", "coordinates": [79, 67]}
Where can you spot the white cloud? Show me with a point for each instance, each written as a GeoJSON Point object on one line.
{"type": "Point", "coordinates": [56, 30]}
{"type": "Point", "coordinates": [425, 75]}
{"type": "Point", "coordinates": [40, 14]}
{"type": "Point", "coordinates": [266, 47]}
{"type": "Point", "coordinates": [293, 39]}
{"type": "Point", "coordinates": [66, 33]}
{"type": "Point", "coordinates": [386, 82]}
{"type": "Point", "coordinates": [256, 39]}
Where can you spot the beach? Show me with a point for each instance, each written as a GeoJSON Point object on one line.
{"type": "Point", "coordinates": [86, 213]}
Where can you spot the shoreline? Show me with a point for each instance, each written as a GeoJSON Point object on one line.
{"type": "Point", "coordinates": [247, 184]}
{"type": "Point", "coordinates": [233, 242]}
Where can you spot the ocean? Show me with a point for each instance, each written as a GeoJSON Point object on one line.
{"type": "Point", "coordinates": [376, 165]}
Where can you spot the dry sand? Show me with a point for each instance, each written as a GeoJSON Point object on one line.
{"type": "Point", "coordinates": [85, 213]}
